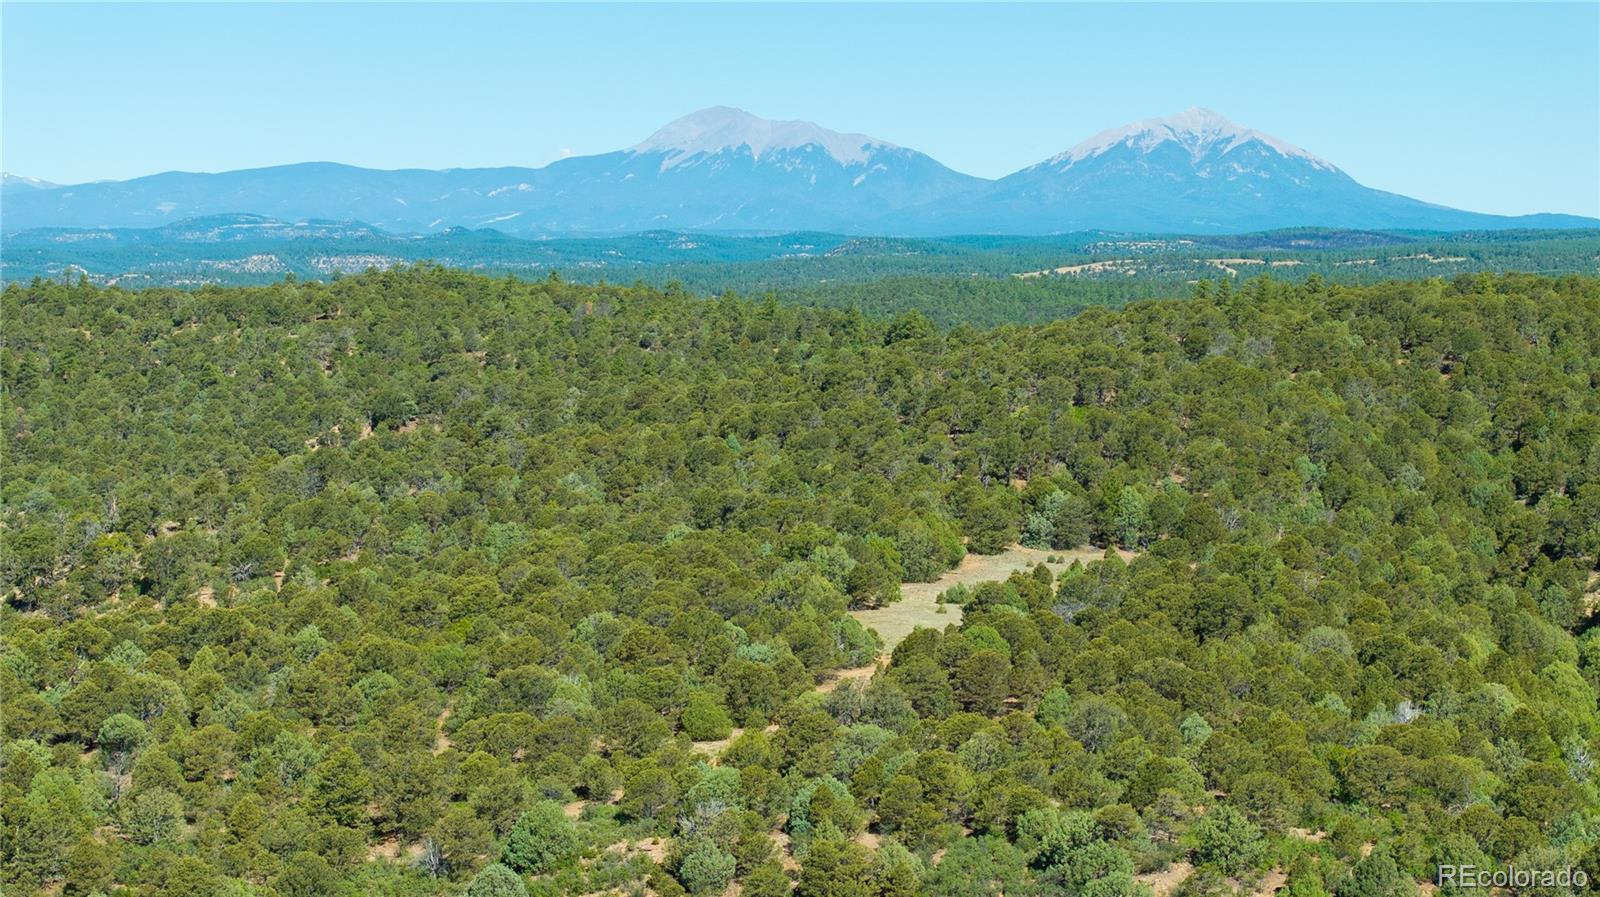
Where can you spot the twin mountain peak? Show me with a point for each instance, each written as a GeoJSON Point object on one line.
{"type": "Point", "coordinates": [723, 169]}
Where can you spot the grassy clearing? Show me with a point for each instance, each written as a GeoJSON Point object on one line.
{"type": "Point", "coordinates": [918, 605]}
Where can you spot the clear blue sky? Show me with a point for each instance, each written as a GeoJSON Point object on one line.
{"type": "Point", "coordinates": [1490, 107]}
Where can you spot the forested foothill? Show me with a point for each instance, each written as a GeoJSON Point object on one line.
{"type": "Point", "coordinates": [981, 280]}
{"type": "Point", "coordinates": [423, 582]}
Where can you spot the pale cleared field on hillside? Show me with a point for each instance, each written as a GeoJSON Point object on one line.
{"type": "Point", "coordinates": [918, 604]}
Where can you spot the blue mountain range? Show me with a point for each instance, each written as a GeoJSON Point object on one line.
{"type": "Point", "coordinates": [727, 171]}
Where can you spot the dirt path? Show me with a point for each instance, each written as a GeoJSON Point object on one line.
{"type": "Point", "coordinates": [441, 741]}
{"type": "Point", "coordinates": [840, 677]}
{"type": "Point", "coordinates": [918, 604]}
{"type": "Point", "coordinates": [714, 749]}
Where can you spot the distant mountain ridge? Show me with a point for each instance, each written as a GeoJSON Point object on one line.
{"type": "Point", "coordinates": [724, 170]}
{"type": "Point", "coordinates": [11, 182]}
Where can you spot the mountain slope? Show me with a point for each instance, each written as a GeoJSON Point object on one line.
{"type": "Point", "coordinates": [402, 200]}
{"type": "Point", "coordinates": [1194, 172]}
{"type": "Point", "coordinates": [12, 183]}
{"type": "Point", "coordinates": [719, 168]}
{"type": "Point", "coordinates": [725, 169]}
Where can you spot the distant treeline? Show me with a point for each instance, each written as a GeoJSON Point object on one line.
{"type": "Point", "coordinates": [1063, 274]}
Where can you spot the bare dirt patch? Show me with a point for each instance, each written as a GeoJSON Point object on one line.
{"type": "Point", "coordinates": [1270, 883]}
{"type": "Point", "coordinates": [384, 850]}
{"type": "Point", "coordinates": [654, 848]}
{"type": "Point", "coordinates": [1116, 266]}
{"type": "Point", "coordinates": [1232, 266]}
{"type": "Point", "coordinates": [780, 840]}
{"type": "Point", "coordinates": [714, 748]}
{"type": "Point", "coordinates": [1166, 880]}
{"type": "Point", "coordinates": [392, 851]}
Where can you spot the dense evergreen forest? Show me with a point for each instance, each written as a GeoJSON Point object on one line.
{"type": "Point", "coordinates": [426, 583]}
